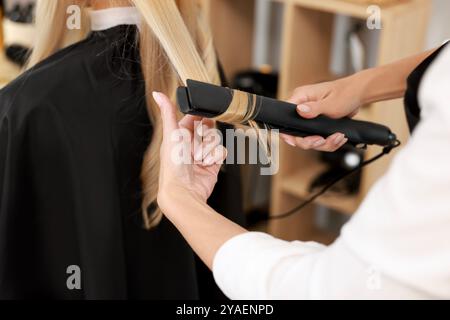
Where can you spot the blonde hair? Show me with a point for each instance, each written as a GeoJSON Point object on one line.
{"type": "Point", "coordinates": [175, 45]}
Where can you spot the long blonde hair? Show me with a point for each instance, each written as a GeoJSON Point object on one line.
{"type": "Point", "coordinates": [175, 45]}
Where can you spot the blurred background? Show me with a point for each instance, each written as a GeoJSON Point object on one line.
{"type": "Point", "coordinates": [269, 47]}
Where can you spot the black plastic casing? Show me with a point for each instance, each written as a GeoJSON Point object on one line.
{"type": "Point", "coordinates": [210, 101]}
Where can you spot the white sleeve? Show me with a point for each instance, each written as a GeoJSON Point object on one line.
{"type": "Point", "coordinates": [403, 225]}
{"type": "Point", "coordinates": [396, 246]}
{"type": "Point", "coordinates": [246, 267]}
{"type": "Point", "coordinates": [258, 266]}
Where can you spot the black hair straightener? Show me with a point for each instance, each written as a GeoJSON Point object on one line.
{"type": "Point", "coordinates": [210, 101]}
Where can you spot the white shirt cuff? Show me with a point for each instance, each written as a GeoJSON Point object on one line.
{"type": "Point", "coordinates": [244, 265]}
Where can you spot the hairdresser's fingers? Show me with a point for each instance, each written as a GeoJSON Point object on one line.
{"type": "Point", "coordinates": [209, 123]}
{"type": "Point", "coordinates": [344, 142]}
{"type": "Point", "coordinates": [293, 141]}
{"type": "Point", "coordinates": [333, 143]}
{"type": "Point", "coordinates": [306, 143]}
{"type": "Point", "coordinates": [301, 95]}
{"type": "Point", "coordinates": [168, 113]}
{"type": "Point", "coordinates": [205, 127]}
{"type": "Point", "coordinates": [327, 107]}
{"type": "Point", "coordinates": [312, 142]}
{"type": "Point", "coordinates": [284, 136]}
{"type": "Point", "coordinates": [311, 109]}
{"type": "Point", "coordinates": [200, 125]}
{"type": "Point", "coordinates": [210, 142]}
{"type": "Point", "coordinates": [213, 164]}
{"type": "Point", "coordinates": [215, 157]}
{"type": "Point", "coordinates": [336, 147]}
{"type": "Point", "coordinates": [192, 123]}
{"type": "Point", "coordinates": [290, 140]}
{"type": "Point", "coordinates": [202, 134]}
{"type": "Point", "coordinates": [189, 122]}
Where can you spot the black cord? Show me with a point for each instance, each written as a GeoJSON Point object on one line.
{"type": "Point", "coordinates": [386, 150]}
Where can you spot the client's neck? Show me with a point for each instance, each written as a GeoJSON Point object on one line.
{"type": "Point", "coordinates": [106, 4]}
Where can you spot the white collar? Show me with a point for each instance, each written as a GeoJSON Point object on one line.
{"type": "Point", "coordinates": [113, 17]}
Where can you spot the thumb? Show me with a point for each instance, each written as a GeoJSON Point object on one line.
{"type": "Point", "coordinates": [168, 113]}
{"type": "Point", "coordinates": [310, 109]}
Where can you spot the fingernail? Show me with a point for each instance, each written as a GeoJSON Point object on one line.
{"type": "Point", "coordinates": [198, 155]}
{"type": "Point", "coordinates": [201, 130]}
{"type": "Point", "coordinates": [304, 108]}
{"type": "Point", "coordinates": [209, 161]}
{"type": "Point", "coordinates": [345, 141]}
{"type": "Point", "coordinates": [289, 142]}
{"type": "Point", "coordinates": [157, 97]}
{"type": "Point", "coordinates": [339, 139]}
{"type": "Point", "coordinates": [319, 143]}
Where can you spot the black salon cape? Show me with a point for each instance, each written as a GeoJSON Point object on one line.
{"type": "Point", "coordinates": [73, 132]}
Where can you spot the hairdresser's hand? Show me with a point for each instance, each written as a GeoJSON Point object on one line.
{"type": "Point", "coordinates": [191, 156]}
{"type": "Point", "coordinates": [335, 99]}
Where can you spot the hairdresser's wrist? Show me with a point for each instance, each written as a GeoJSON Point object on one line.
{"type": "Point", "coordinates": [175, 199]}
{"type": "Point", "coordinates": [378, 84]}
{"type": "Point", "coordinates": [361, 83]}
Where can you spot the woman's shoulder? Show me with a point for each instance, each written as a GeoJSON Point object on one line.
{"type": "Point", "coordinates": [85, 81]}
{"type": "Point", "coordinates": [78, 77]}
{"type": "Point", "coordinates": [50, 78]}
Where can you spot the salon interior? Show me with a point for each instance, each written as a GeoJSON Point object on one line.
{"type": "Point", "coordinates": [280, 45]}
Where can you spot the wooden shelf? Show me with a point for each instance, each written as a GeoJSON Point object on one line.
{"type": "Point", "coordinates": [313, 234]}
{"type": "Point", "coordinates": [232, 23]}
{"type": "Point", "coordinates": [297, 184]}
{"type": "Point", "coordinates": [356, 9]}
